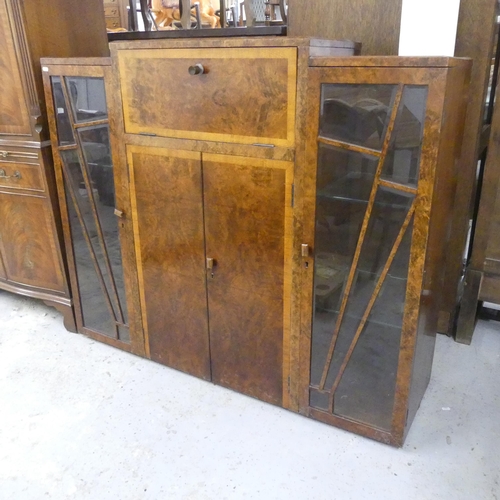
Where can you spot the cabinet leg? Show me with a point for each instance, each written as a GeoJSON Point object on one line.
{"type": "Point", "coordinates": [467, 315]}
{"type": "Point", "coordinates": [68, 315]}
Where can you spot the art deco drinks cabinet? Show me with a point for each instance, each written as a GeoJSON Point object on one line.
{"type": "Point", "coordinates": [282, 214]}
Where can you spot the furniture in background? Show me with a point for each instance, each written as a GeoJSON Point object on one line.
{"type": "Point", "coordinates": [477, 39]}
{"type": "Point", "coordinates": [375, 24]}
{"type": "Point", "coordinates": [116, 14]}
{"type": "Point", "coordinates": [31, 260]}
{"type": "Point", "coordinates": [482, 272]}
{"type": "Point", "coordinates": [284, 219]}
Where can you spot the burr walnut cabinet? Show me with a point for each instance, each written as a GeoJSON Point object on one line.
{"type": "Point", "coordinates": [31, 261]}
{"type": "Point", "coordinates": [282, 215]}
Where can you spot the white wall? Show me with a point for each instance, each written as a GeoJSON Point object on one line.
{"type": "Point", "coordinates": [428, 27]}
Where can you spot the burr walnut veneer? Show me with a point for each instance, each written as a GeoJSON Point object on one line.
{"type": "Point", "coordinates": [282, 212]}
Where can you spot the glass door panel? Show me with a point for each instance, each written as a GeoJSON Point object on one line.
{"type": "Point", "coordinates": [88, 98]}
{"type": "Point", "coordinates": [87, 169]}
{"type": "Point", "coordinates": [357, 114]}
{"type": "Point", "coordinates": [365, 201]}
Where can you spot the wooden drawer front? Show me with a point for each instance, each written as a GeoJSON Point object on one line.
{"type": "Point", "coordinates": [113, 22]}
{"type": "Point", "coordinates": [111, 11]}
{"type": "Point", "coordinates": [244, 95]}
{"type": "Point", "coordinates": [20, 169]}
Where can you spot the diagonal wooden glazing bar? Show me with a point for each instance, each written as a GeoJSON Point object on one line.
{"type": "Point", "coordinates": [86, 176]}
{"type": "Point", "coordinates": [91, 123]}
{"type": "Point", "coordinates": [369, 307]}
{"type": "Point", "coordinates": [397, 186]}
{"type": "Point", "coordinates": [85, 233]}
{"type": "Point", "coordinates": [364, 227]}
{"type": "Point", "coordinates": [348, 146]}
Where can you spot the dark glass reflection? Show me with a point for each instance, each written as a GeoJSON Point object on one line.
{"type": "Point", "coordinates": [88, 98]}
{"type": "Point", "coordinates": [97, 152]}
{"type": "Point", "coordinates": [344, 182]}
{"type": "Point", "coordinates": [366, 391]}
{"type": "Point", "coordinates": [96, 311]}
{"type": "Point", "coordinates": [367, 388]}
{"type": "Point", "coordinates": [64, 130]}
{"type": "Point", "coordinates": [403, 157]}
{"type": "Point", "coordinates": [99, 200]}
{"type": "Point", "coordinates": [357, 114]}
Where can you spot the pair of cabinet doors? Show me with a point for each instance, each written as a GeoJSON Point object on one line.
{"type": "Point", "coordinates": [213, 237]}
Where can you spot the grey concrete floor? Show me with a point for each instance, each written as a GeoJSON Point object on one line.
{"type": "Point", "coordinates": [81, 420]}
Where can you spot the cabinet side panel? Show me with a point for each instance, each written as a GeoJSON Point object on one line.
{"type": "Point", "coordinates": [453, 91]}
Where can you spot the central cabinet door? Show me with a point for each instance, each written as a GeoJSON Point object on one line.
{"type": "Point", "coordinates": [214, 237]}
{"type": "Point", "coordinates": [247, 224]}
{"type": "Point", "coordinates": [167, 193]}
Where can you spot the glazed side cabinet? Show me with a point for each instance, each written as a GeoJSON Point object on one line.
{"type": "Point", "coordinates": [282, 216]}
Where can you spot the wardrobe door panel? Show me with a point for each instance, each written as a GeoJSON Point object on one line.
{"type": "Point", "coordinates": [167, 203]}
{"type": "Point", "coordinates": [14, 117]}
{"type": "Point", "coordinates": [247, 225]}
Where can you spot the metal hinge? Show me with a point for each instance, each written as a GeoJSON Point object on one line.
{"type": "Point", "coordinates": [292, 202]}
{"type": "Point", "coordinates": [288, 384]}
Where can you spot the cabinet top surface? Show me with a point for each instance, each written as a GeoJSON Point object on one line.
{"type": "Point", "coordinates": [269, 41]}
{"type": "Point", "coordinates": [82, 61]}
{"type": "Point", "coordinates": [390, 61]}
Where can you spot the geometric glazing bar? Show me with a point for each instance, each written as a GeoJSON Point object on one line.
{"type": "Point", "coordinates": [364, 227]}
{"type": "Point", "coordinates": [84, 229]}
{"type": "Point", "coordinates": [373, 298]}
{"type": "Point", "coordinates": [113, 293]}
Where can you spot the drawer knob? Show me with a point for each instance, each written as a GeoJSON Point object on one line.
{"type": "Point", "coordinates": [197, 69]}
{"type": "Point", "coordinates": [16, 175]}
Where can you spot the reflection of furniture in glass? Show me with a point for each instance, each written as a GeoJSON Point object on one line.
{"type": "Point", "coordinates": [264, 11]}
{"type": "Point", "coordinates": [372, 265]}
{"type": "Point", "coordinates": [115, 14]}
{"type": "Point", "coordinates": [31, 261]}
{"type": "Point", "coordinates": [94, 230]}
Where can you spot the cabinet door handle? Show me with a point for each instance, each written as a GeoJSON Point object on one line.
{"type": "Point", "coordinates": [196, 69]}
{"type": "Point", "coordinates": [210, 263]}
{"type": "Point", "coordinates": [305, 250]}
{"type": "Point", "coordinates": [15, 175]}
{"type": "Point", "coordinates": [118, 213]}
